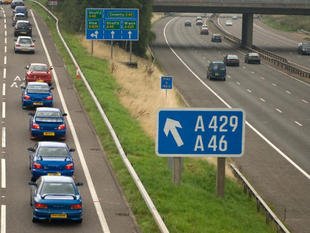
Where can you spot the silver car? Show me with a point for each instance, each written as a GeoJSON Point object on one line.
{"type": "Point", "coordinates": [24, 44]}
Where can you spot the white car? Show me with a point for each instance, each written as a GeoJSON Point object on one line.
{"type": "Point", "coordinates": [228, 23]}
{"type": "Point", "coordinates": [24, 44]}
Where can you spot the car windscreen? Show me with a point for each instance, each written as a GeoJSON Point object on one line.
{"type": "Point", "coordinates": [219, 67]}
{"type": "Point", "coordinates": [48, 116]}
{"type": "Point", "coordinates": [53, 151]}
{"type": "Point", "coordinates": [38, 90]}
{"type": "Point", "coordinates": [42, 68]}
{"type": "Point", "coordinates": [25, 41]}
{"type": "Point", "coordinates": [58, 188]}
{"type": "Point", "coordinates": [23, 25]}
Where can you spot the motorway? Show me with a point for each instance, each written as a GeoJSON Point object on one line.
{"type": "Point", "coordinates": [276, 159]}
{"type": "Point", "coordinates": [105, 209]}
{"type": "Point", "coordinates": [276, 42]}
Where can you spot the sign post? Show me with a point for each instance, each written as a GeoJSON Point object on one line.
{"type": "Point", "coordinates": [201, 133]}
{"type": "Point", "coordinates": [166, 83]}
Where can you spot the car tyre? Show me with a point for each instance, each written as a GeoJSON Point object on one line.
{"type": "Point", "coordinates": [79, 221]}
{"type": "Point", "coordinates": [34, 220]}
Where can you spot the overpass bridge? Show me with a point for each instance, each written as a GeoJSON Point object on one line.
{"type": "Point", "coordinates": [245, 7]}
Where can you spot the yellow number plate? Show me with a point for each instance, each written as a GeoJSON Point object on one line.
{"type": "Point", "coordinates": [48, 133]}
{"type": "Point", "coordinates": [37, 103]}
{"type": "Point", "coordinates": [58, 215]}
{"type": "Point", "coordinates": [54, 174]}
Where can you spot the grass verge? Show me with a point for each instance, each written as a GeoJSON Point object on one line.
{"type": "Point", "coordinates": [289, 23]}
{"type": "Point", "coordinates": [191, 207]}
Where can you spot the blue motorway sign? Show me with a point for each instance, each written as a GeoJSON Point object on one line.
{"type": "Point", "coordinates": [166, 82]}
{"type": "Point", "coordinates": [112, 24]}
{"type": "Point", "coordinates": [200, 132]}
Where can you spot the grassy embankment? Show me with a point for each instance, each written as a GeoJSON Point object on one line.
{"type": "Point", "coordinates": [289, 23]}
{"type": "Point", "coordinates": [191, 207]}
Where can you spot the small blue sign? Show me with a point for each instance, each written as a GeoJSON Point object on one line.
{"type": "Point", "coordinates": [166, 82]}
{"type": "Point", "coordinates": [112, 24]}
{"type": "Point", "coordinates": [200, 132]}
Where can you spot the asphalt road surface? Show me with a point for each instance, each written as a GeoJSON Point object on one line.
{"type": "Point", "coordinates": [277, 146]}
{"type": "Point", "coordinates": [271, 40]}
{"type": "Point", "coordinates": [103, 202]}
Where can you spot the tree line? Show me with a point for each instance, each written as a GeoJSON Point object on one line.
{"type": "Point", "coordinates": [72, 14]}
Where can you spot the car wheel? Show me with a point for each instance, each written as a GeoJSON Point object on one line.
{"type": "Point", "coordinates": [79, 221]}
{"type": "Point", "coordinates": [34, 220]}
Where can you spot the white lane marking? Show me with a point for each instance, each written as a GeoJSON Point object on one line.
{"type": "Point", "coordinates": [14, 84]}
{"type": "Point", "coordinates": [278, 110]}
{"type": "Point", "coordinates": [3, 174]}
{"type": "Point", "coordinates": [5, 49]}
{"type": "Point", "coordinates": [3, 218]}
{"type": "Point", "coordinates": [3, 109]}
{"type": "Point", "coordinates": [297, 123]}
{"type": "Point", "coordinates": [228, 76]}
{"type": "Point", "coordinates": [3, 141]}
{"type": "Point", "coordinates": [273, 84]}
{"type": "Point", "coordinates": [262, 78]}
{"type": "Point", "coordinates": [5, 26]}
{"type": "Point", "coordinates": [288, 92]}
{"type": "Point", "coordinates": [262, 99]}
{"type": "Point", "coordinates": [252, 72]}
{"type": "Point", "coordinates": [305, 101]}
{"type": "Point", "coordinates": [249, 90]}
{"type": "Point", "coordinates": [5, 60]}
{"type": "Point", "coordinates": [4, 73]}
{"type": "Point", "coordinates": [3, 89]}
{"type": "Point", "coordinates": [224, 102]}
{"type": "Point", "coordinates": [91, 186]}
{"type": "Point", "coordinates": [238, 83]}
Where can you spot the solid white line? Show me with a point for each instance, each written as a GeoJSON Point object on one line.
{"type": "Point", "coordinates": [3, 174]}
{"type": "Point", "coordinates": [288, 92]}
{"type": "Point", "coordinates": [3, 110]}
{"type": "Point", "coordinates": [3, 218]}
{"type": "Point", "coordinates": [305, 101]}
{"type": "Point", "coordinates": [262, 99]}
{"type": "Point", "coordinates": [4, 73]}
{"type": "Point", "coordinates": [278, 110]}
{"type": "Point", "coordinates": [91, 187]}
{"type": "Point", "coordinates": [3, 141]}
{"type": "Point", "coordinates": [296, 122]}
{"type": "Point", "coordinates": [5, 60]}
{"type": "Point", "coordinates": [224, 102]}
{"type": "Point", "coordinates": [3, 89]}
{"type": "Point", "coordinates": [249, 90]}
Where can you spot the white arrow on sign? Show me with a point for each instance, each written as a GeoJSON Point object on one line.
{"type": "Point", "coordinates": [94, 34]}
{"type": "Point", "coordinates": [171, 126]}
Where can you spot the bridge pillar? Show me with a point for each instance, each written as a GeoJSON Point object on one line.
{"type": "Point", "coordinates": [247, 30]}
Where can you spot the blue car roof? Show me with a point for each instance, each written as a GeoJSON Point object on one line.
{"type": "Point", "coordinates": [52, 144]}
{"type": "Point", "coordinates": [64, 179]}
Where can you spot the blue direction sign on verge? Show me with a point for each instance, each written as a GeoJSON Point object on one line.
{"type": "Point", "coordinates": [166, 82]}
{"type": "Point", "coordinates": [200, 132]}
{"type": "Point", "coordinates": [112, 24]}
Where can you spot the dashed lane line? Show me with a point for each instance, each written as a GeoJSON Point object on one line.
{"type": "Point", "coordinates": [3, 141]}
{"type": "Point", "coordinates": [263, 100]}
{"type": "Point", "coordinates": [305, 101]}
{"type": "Point", "coordinates": [4, 73]}
{"type": "Point", "coordinates": [3, 218]}
{"type": "Point", "coordinates": [3, 89]}
{"type": "Point", "coordinates": [297, 123]}
{"type": "Point", "coordinates": [3, 174]}
{"type": "Point", "coordinates": [3, 109]}
{"type": "Point", "coordinates": [288, 92]}
{"type": "Point", "coordinates": [278, 110]}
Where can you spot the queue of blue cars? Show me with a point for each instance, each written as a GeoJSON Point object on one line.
{"type": "Point", "coordinates": [54, 193]}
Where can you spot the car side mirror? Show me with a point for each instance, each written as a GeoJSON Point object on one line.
{"type": "Point", "coordinates": [34, 40]}
{"type": "Point", "coordinates": [27, 67]}
{"type": "Point", "coordinates": [64, 114]}
{"type": "Point", "coordinates": [32, 183]}
{"type": "Point", "coordinates": [30, 149]}
{"type": "Point", "coordinates": [79, 184]}
{"type": "Point", "coordinates": [72, 150]}
{"type": "Point", "coordinates": [15, 39]}
{"type": "Point", "coordinates": [51, 88]}
{"type": "Point", "coordinates": [51, 67]}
